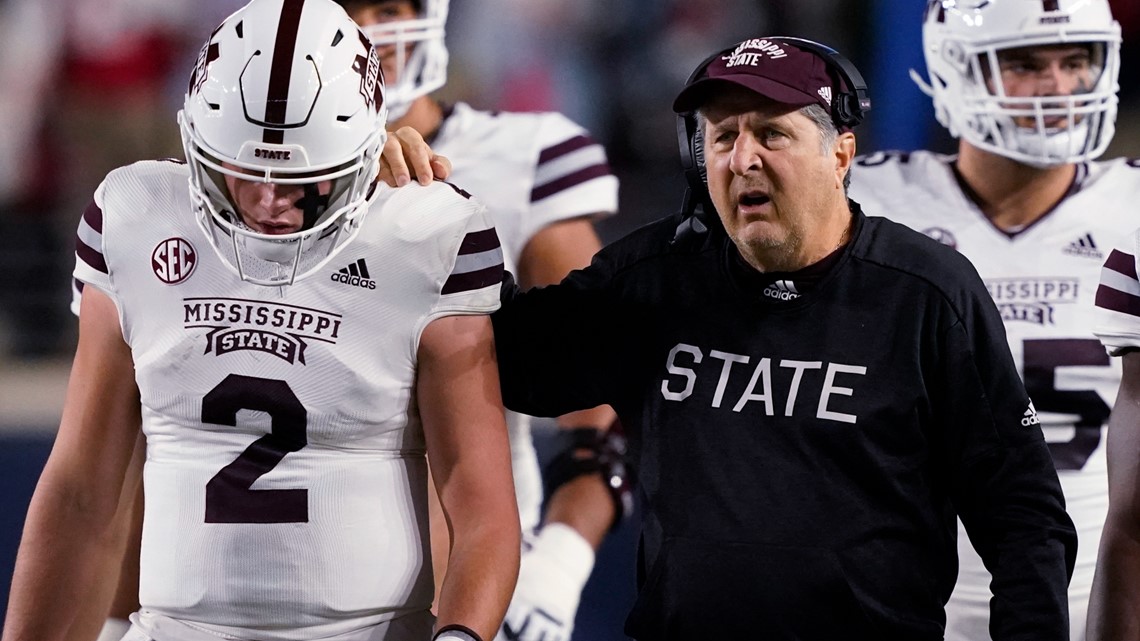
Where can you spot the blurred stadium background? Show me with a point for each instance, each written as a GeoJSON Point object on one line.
{"type": "Point", "coordinates": [88, 85]}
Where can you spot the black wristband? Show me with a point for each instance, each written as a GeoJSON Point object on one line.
{"type": "Point", "coordinates": [455, 627]}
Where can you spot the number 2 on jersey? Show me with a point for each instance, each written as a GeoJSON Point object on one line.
{"type": "Point", "coordinates": [229, 497]}
{"type": "Point", "coordinates": [1042, 358]}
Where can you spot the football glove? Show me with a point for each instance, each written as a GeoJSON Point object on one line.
{"type": "Point", "coordinates": [554, 568]}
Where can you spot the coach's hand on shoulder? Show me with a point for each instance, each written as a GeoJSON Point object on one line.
{"type": "Point", "coordinates": [552, 574]}
{"type": "Point", "coordinates": [407, 155]}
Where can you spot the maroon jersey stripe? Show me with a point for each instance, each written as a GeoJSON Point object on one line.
{"type": "Point", "coordinates": [564, 147]}
{"type": "Point", "coordinates": [90, 255]}
{"type": "Point", "coordinates": [468, 281]}
{"type": "Point", "coordinates": [569, 180]}
{"type": "Point", "coordinates": [479, 241]}
{"type": "Point", "coordinates": [1117, 301]}
{"type": "Point", "coordinates": [1121, 263]}
{"type": "Point", "coordinates": [78, 284]}
{"type": "Point", "coordinates": [280, 72]}
{"type": "Point", "coordinates": [94, 217]}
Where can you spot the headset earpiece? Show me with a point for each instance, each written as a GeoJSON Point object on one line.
{"type": "Point", "coordinates": [849, 107]}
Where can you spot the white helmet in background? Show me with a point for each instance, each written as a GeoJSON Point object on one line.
{"type": "Point", "coordinates": [961, 42]}
{"type": "Point", "coordinates": [420, 68]}
{"type": "Point", "coordinates": [284, 92]}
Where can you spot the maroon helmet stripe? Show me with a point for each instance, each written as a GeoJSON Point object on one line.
{"type": "Point", "coordinates": [281, 70]}
{"type": "Point", "coordinates": [568, 181]}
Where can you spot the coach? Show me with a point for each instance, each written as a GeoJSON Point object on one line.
{"type": "Point", "coordinates": [812, 395]}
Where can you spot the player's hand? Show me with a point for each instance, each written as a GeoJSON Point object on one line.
{"type": "Point", "coordinates": [551, 576]}
{"type": "Point", "coordinates": [406, 155]}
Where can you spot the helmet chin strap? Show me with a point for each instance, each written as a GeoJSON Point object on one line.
{"type": "Point", "coordinates": [312, 204]}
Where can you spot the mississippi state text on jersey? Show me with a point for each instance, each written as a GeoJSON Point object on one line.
{"type": "Point", "coordinates": [286, 481]}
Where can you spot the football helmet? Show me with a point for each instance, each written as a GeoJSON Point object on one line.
{"type": "Point", "coordinates": [288, 92]}
{"type": "Point", "coordinates": [962, 40]}
{"type": "Point", "coordinates": [421, 56]}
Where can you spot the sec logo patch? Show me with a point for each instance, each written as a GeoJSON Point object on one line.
{"type": "Point", "coordinates": [173, 260]}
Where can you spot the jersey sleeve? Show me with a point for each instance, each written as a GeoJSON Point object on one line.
{"type": "Point", "coordinates": [572, 176]}
{"type": "Point", "coordinates": [1118, 299]}
{"type": "Point", "coordinates": [90, 253]}
{"type": "Point", "coordinates": [472, 283]}
{"type": "Point", "coordinates": [1003, 482]}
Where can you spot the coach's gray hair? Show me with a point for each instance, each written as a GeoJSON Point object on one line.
{"type": "Point", "coordinates": [828, 132]}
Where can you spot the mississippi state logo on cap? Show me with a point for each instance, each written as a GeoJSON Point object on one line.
{"type": "Point", "coordinates": [173, 260]}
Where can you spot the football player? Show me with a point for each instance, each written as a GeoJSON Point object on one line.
{"type": "Point", "coordinates": [1029, 89]}
{"type": "Point", "coordinates": [544, 180]}
{"type": "Point", "coordinates": [292, 336]}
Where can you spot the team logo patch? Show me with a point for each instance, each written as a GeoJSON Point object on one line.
{"type": "Point", "coordinates": [1032, 300]}
{"type": "Point", "coordinates": [235, 324]}
{"type": "Point", "coordinates": [173, 260]}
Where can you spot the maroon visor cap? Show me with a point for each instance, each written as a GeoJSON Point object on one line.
{"type": "Point", "coordinates": [772, 68]}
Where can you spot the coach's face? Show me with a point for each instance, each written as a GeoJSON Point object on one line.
{"type": "Point", "coordinates": [777, 190]}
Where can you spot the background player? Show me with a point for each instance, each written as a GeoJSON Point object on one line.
{"type": "Point", "coordinates": [289, 378]}
{"type": "Point", "coordinates": [1029, 89]}
{"type": "Point", "coordinates": [543, 180]}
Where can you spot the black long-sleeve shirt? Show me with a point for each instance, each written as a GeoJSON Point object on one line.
{"type": "Point", "coordinates": [802, 455]}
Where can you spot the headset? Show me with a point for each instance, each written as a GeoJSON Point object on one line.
{"type": "Point", "coordinates": [848, 109]}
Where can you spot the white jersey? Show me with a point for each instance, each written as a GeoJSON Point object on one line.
{"type": "Point", "coordinates": [285, 473]}
{"type": "Point", "coordinates": [530, 170]}
{"type": "Point", "coordinates": [1043, 279]}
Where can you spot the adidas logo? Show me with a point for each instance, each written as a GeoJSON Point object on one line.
{"type": "Point", "coordinates": [1030, 417]}
{"type": "Point", "coordinates": [782, 290]}
{"type": "Point", "coordinates": [825, 93]}
{"type": "Point", "coordinates": [355, 274]}
{"type": "Point", "coordinates": [1084, 246]}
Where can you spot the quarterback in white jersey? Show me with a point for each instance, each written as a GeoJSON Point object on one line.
{"type": "Point", "coordinates": [544, 180]}
{"type": "Point", "coordinates": [1025, 202]}
{"type": "Point", "coordinates": [293, 337]}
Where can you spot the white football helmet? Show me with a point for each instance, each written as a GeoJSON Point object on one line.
{"type": "Point", "coordinates": [961, 42]}
{"type": "Point", "coordinates": [284, 92]}
{"type": "Point", "coordinates": [420, 69]}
